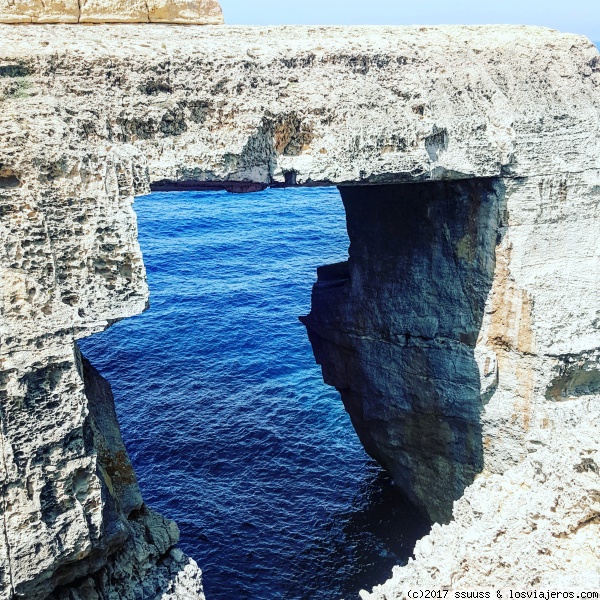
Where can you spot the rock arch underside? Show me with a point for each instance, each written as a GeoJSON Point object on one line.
{"type": "Point", "coordinates": [463, 332]}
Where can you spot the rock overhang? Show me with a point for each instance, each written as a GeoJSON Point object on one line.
{"type": "Point", "coordinates": [107, 112]}
{"type": "Point", "coordinates": [318, 105]}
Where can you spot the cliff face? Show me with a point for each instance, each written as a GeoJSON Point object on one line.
{"type": "Point", "coordinates": [71, 498]}
{"type": "Point", "coordinates": [397, 335]}
{"type": "Point", "coordinates": [447, 336]}
{"type": "Point", "coordinates": [463, 333]}
{"type": "Point", "coordinates": [140, 543]}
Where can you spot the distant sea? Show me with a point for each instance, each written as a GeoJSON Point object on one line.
{"type": "Point", "coordinates": [231, 430]}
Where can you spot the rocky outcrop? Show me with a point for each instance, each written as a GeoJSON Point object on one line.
{"type": "Point", "coordinates": [462, 333]}
{"type": "Point", "coordinates": [446, 337]}
{"type": "Point", "coordinates": [190, 12]}
{"type": "Point", "coordinates": [72, 510]}
{"type": "Point", "coordinates": [536, 526]}
{"type": "Point", "coordinates": [396, 332]}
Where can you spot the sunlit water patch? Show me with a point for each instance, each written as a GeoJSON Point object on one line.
{"type": "Point", "coordinates": [228, 423]}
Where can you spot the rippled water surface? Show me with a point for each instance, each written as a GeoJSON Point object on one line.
{"type": "Point", "coordinates": [228, 423]}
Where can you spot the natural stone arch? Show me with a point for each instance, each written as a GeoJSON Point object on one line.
{"type": "Point", "coordinates": [95, 116]}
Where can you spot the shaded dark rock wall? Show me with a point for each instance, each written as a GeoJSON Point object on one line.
{"type": "Point", "coordinates": [395, 329]}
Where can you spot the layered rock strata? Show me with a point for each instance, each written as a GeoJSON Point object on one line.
{"type": "Point", "coordinates": [467, 315]}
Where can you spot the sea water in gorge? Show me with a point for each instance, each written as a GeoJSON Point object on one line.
{"type": "Point", "coordinates": [229, 426]}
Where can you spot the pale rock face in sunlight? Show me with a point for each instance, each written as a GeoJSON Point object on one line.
{"type": "Point", "coordinates": [198, 12]}
{"type": "Point", "coordinates": [36, 11]}
{"type": "Point", "coordinates": [113, 11]}
{"type": "Point", "coordinates": [190, 12]}
{"type": "Point", "coordinates": [502, 122]}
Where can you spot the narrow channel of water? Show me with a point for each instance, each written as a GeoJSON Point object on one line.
{"type": "Point", "coordinates": [228, 423]}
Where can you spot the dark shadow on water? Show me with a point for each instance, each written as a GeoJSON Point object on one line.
{"type": "Point", "coordinates": [344, 553]}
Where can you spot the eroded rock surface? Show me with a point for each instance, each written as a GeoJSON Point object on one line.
{"type": "Point", "coordinates": [190, 12]}
{"type": "Point", "coordinates": [536, 526]}
{"type": "Point", "coordinates": [475, 308]}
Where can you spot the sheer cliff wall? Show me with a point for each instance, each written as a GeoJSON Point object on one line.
{"type": "Point", "coordinates": [464, 329]}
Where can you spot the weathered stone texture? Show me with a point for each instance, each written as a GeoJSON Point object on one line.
{"type": "Point", "coordinates": [190, 12]}
{"type": "Point", "coordinates": [71, 499]}
{"type": "Point", "coordinates": [476, 308]}
{"type": "Point", "coordinates": [535, 527]}
{"type": "Point", "coordinates": [113, 11]}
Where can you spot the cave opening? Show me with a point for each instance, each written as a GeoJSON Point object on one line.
{"type": "Point", "coordinates": [225, 416]}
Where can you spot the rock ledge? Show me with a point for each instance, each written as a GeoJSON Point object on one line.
{"type": "Point", "coordinates": [183, 12]}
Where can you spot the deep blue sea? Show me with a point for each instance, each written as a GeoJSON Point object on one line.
{"type": "Point", "coordinates": [230, 428]}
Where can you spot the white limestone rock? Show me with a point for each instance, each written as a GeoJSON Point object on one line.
{"type": "Point", "coordinates": [534, 527]}
{"type": "Point", "coordinates": [92, 116]}
{"type": "Point", "coordinates": [39, 11]}
{"type": "Point", "coordinates": [113, 11]}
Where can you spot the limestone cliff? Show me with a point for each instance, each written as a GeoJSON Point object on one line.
{"type": "Point", "coordinates": [464, 332]}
